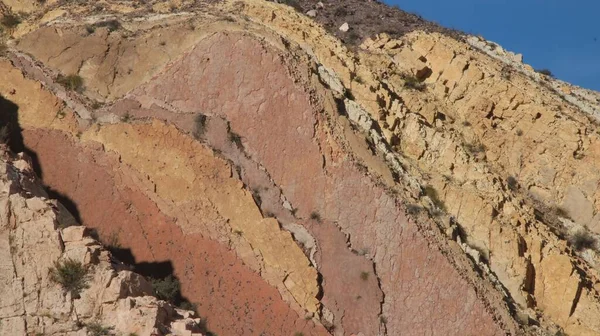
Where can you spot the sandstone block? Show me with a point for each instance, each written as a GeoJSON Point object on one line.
{"type": "Point", "coordinates": [73, 233]}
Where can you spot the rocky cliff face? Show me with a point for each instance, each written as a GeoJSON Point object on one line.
{"type": "Point", "coordinates": [423, 183]}
{"type": "Point", "coordinates": [61, 281]}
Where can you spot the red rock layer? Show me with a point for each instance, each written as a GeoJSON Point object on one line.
{"type": "Point", "coordinates": [235, 300]}
{"type": "Point", "coordinates": [235, 77]}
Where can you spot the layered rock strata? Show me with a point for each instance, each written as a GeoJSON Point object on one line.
{"type": "Point", "coordinates": [33, 245]}
{"type": "Point", "coordinates": [420, 184]}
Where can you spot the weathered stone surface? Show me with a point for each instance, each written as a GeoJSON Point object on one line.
{"type": "Point", "coordinates": [203, 265]}
{"type": "Point", "coordinates": [33, 303]}
{"type": "Point", "coordinates": [421, 111]}
{"type": "Point", "coordinates": [330, 191]}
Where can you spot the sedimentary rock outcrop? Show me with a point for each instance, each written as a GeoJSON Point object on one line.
{"type": "Point", "coordinates": [35, 245]}
{"type": "Point", "coordinates": [417, 184]}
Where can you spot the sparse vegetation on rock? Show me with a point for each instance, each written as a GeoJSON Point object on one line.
{"type": "Point", "coordinates": [126, 117]}
{"type": "Point", "coordinates": [71, 275]}
{"type": "Point", "coordinates": [167, 288]}
{"type": "Point", "coordinates": [111, 25]}
{"type": "Point", "coordinates": [474, 148]}
{"type": "Point", "coordinates": [413, 209]}
{"type": "Point", "coordinates": [433, 195]}
{"type": "Point", "coordinates": [414, 83]}
{"type": "Point", "coordinates": [582, 239]}
{"type": "Point", "coordinates": [512, 183]}
{"type": "Point", "coordinates": [199, 125]}
{"type": "Point", "coordinates": [236, 139]}
{"type": "Point", "coordinates": [97, 329]}
{"type": "Point", "coordinates": [545, 72]}
{"type": "Point", "coordinates": [562, 212]}
{"type": "Point", "coordinates": [315, 216]}
{"type": "Point", "coordinates": [173, 195]}
{"type": "Point", "coordinates": [71, 82]}
{"type": "Point", "coordinates": [10, 20]}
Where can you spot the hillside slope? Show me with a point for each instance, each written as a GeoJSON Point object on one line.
{"type": "Point", "coordinates": [411, 182]}
{"type": "Point", "coordinates": [58, 280]}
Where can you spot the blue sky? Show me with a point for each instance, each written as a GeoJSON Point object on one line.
{"type": "Point", "coordinates": [563, 36]}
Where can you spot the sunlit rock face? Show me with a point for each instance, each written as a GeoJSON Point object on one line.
{"type": "Point", "coordinates": [298, 179]}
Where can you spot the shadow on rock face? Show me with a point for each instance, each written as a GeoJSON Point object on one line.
{"type": "Point", "coordinates": [9, 119]}
{"type": "Point", "coordinates": [166, 285]}
{"type": "Point", "coordinates": [160, 273]}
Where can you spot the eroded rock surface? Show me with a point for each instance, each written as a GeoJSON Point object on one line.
{"type": "Point", "coordinates": [421, 184]}
{"type": "Point", "coordinates": [32, 244]}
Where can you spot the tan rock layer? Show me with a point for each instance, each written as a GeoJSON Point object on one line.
{"type": "Point", "coordinates": [399, 316]}
{"type": "Point", "coordinates": [31, 243]}
{"type": "Point", "coordinates": [456, 75]}
{"type": "Point", "coordinates": [469, 99]}
{"type": "Point", "coordinates": [289, 275]}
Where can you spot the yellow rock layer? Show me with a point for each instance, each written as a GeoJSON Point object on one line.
{"type": "Point", "coordinates": [187, 181]}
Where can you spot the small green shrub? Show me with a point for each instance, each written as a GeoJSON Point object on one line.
{"type": "Point", "coordinates": [414, 83]}
{"type": "Point", "coordinates": [71, 275]}
{"type": "Point", "coordinates": [235, 139]}
{"type": "Point", "coordinates": [187, 305]}
{"type": "Point", "coordinates": [71, 82]}
{"type": "Point", "coordinates": [545, 72]}
{"type": "Point", "coordinates": [167, 289]}
{"type": "Point", "coordinates": [315, 216]}
{"type": "Point", "coordinates": [581, 240]}
{"type": "Point", "coordinates": [199, 126]}
{"type": "Point", "coordinates": [474, 148]}
{"type": "Point", "coordinates": [10, 20]}
{"type": "Point", "coordinates": [97, 329]}
{"type": "Point", "coordinates": [111, 25]}
{"type": "Point", "coordinates": [506, 72]}
{"type": "Point", "coordinates": [562, 212]}
{"type": "Point", "coordinates": [364, 275]}
{"type": "Point", "coordinates": [512, 183]}
{"type": "Point", "coordinates": [434, 197]}
{"type": "Point", "coordinates": [413, 209]}
{"type": "Point", "coordinates": [126, 117]}
{"type": "Point", "coordinates": [90, 29]}
{"type": "Point", "coordinates": [256, 196]}
{"type": "Point", "coordinates": [96, 105]}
